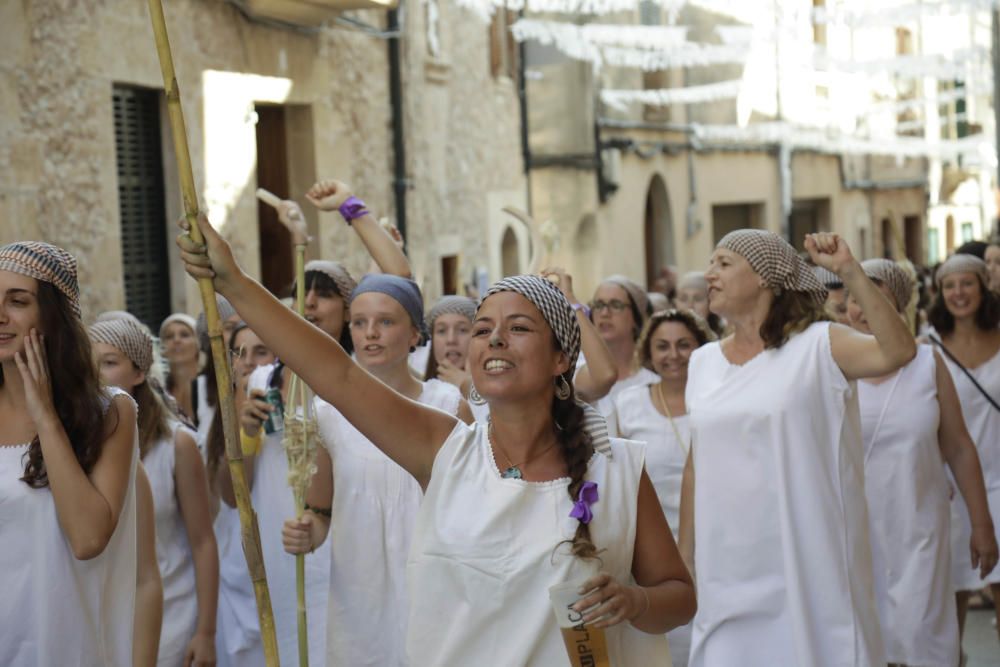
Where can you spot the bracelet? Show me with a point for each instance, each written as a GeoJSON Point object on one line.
{"type": "Point", "coordinates": [321, 511]}
{"type": "Point", "coordinates": [577, 307]}
{"type": "Point", "coordinates": [352, 209]}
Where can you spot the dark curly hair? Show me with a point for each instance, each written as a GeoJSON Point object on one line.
{"type": "Point", "coordinates": [577, 447]}
{"type": "Point", "coordinates": [77, 395]}
{"type": "Point", "coordinates": [987, 315]}
{"type": "Point", "coordinates": [698, 327]}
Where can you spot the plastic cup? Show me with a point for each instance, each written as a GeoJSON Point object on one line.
{"type": "Point", "coordinates": [585, 647]}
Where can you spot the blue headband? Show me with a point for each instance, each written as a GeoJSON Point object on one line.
{"type": "Point", "coordinates": [403, 290]}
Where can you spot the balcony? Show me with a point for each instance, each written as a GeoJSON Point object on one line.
{"type": "Point", "coordinates": [310, 13]}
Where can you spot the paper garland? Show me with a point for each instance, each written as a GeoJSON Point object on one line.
{"type": "Point", "coordinates": [711, 92]}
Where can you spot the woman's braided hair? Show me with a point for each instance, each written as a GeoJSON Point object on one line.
{"type": "Point", "coordinates": [577, 448]}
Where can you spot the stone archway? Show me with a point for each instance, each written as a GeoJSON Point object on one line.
{"type": "Point", "coordinates": [510, 254]}
{"type": "Point", "coordinates": [658, 228]}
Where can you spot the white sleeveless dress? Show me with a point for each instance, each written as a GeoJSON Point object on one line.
{"type": "Point", "coordinates": [57, 611]}
{"type": "Point", "coordinates": [635, 417]}
{"type": "Point", "coordinates": [983, 423]}
{"type": "Point", "coordinates": [173, 553]}
{"type": "Point", "coordinates": [237, 632]}
{"type": "Point", "coordinates": [374, 510]}
{"type": "Point", "coordinates": [782, 555]}
{"type": "Point", "coordinates": [273, 502]}
{"type": "Point", "coordinates": [487, 549]}
{"type": "Point", "coordinates": [907, 492]}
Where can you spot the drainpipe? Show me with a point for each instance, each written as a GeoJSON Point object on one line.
{"type": "Point", "coordinates": [522, 98]}
{"type": "Point", "coordinates": [399, 181]}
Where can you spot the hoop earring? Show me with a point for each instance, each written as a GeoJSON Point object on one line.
{"type": "Point", "coordinates": [474, 396]}
{"type": "Point", "coordinates": [563, 390]}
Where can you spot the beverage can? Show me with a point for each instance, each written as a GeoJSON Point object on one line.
{"type": "Point", "coordinates": [276, 420]}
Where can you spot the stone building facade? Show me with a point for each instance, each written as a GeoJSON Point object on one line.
{"type": "Point", "coordinates": [262, 100]}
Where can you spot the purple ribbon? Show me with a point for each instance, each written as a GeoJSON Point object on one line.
{"type": "Point", "coordinates": [587, 497]}
{"type": "Point", "coordinates": [352, 209]}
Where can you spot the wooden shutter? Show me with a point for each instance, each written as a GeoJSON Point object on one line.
{"type": "Point", "coordinates": [141, 203]}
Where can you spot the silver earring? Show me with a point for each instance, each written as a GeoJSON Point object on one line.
{"type": "Point", "coordinates": [563, 390]}
{"type": "Point", "coordinates": [475, 398]}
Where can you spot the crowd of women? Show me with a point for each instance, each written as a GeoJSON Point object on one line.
{"type": "Point", "coordinates": [782, 462]}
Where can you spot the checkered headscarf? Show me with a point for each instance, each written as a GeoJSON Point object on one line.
{"type": "Point", "coordinates": [128, 337]}
{"type": "Point", "coordinates": [561, 318]}
{"type": "Point", "coordinates": [556, 310]}
{"type": "Point", "coordinates": [451, 304]}
{"type": "Point", "coordinates": [774, 260]}
{"type": "Point", "coordinates": [337, 273]}
{"type": "Point", "coordinates": [45, 262]}
{"type": "Point", "coordinates": [892, 275]}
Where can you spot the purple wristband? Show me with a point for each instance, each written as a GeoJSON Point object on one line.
{"type": "Point", "coordinates": [352, 209]}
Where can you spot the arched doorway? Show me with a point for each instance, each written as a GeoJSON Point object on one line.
{"type": "Point", "coordinates": [510, 260]}
{"type": "Point", "coordinates": [659, 229]}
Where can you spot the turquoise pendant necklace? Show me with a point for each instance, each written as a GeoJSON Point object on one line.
{"type": "Point", "coordinates": [513, 471]}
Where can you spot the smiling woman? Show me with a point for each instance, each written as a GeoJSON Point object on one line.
{"type": "Point", "coordinates": [486, 548]}
{"type": "Point", "coordinates": [67, 471]}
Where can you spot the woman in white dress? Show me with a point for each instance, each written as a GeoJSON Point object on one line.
{"type": "Point", "coordinates": [366, 502]}
{"type": "Point", "coordinates": [911, 420]}
{"type": "Point", "coordinates": [618, 310]}
{"type": "Point", "coordinates": [965, 315]}
{"type": "Point", "coordinates": [185, 544]}
{"type": "Point", "coordinates": [179, 339]}
{"type": "Point", "coordinates": [488, 545]}
{"type": "Point", "coordinates": [656, 414]}
{"type": "Point", "coordinates": [449, 327]}
{"type": "Point", "coordinates": [782, 554]}
{"type": "Point", "coordinates": [67, 476]}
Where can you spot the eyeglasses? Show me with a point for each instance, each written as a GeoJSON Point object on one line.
{"type": "Point", "coordinates": [614, 304]}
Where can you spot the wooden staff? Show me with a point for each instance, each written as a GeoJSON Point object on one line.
{"type": "Point", "coordinates": [234, 453]}
{"type": "Point", "coordinates": [301, 430]}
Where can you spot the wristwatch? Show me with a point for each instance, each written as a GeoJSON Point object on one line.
{"type": "Point", "coordinates": [584, 307]}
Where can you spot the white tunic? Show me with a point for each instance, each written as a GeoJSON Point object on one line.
{"type": "Point", "coordinates": [237, 632]}
{"type": "Point", "coordinates": [374, 510]}
{"type": "Point", "coordinates": [641, 378]}
{"type": "Point", "coordinates": [173, 553]}
{"type": "Point", "coordinates": [486, 550]}
{"type": "Point", "coordinates": [274, 504]}
{"type": "Point", "coordinates": [907, 495]}
{"type": "Point", "coordinates": [58, 611]}
{"type": "Point", "coordinates": [983, 422]}
{"type": "Point", "coordinates": [783, 559]}
{"type": "Point", "coordinates": [635, 417]}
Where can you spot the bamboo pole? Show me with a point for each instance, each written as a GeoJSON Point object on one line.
{"type": "Point", "coordinates": [300, 426]}
{"type": "Point", "coordinates": [234, 453]}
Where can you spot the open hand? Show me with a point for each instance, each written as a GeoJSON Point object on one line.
{"type": "Point", "coordinates": [200, 651]}
{"type": "Point", "coordinates": [608, 603]}
{"type": "Point", "coordinates": [452, 374]}
{"type": "Point", "coordinates": [983, 548]}
{"type": "Point", "coordinates": [212, 260]}
{"type": "Point", "coordinates": [328, 195]}
{"type": "Point", "coordinates": [33, 366]}
{"type": "Point", "coordinates": [829, 251]}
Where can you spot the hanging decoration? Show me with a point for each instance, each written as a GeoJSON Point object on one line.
{"type": "Point", "coordinates": [649, 48]}
{"type": "Point", "coordinates": [866, 17]}
{"type": "Point", "coordinates": [710, 92]}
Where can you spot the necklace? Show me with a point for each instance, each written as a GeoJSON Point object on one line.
{"type": "Point", "coordinates": [513, 470]}
{"type": "Point", "coordinates": [677, 433]}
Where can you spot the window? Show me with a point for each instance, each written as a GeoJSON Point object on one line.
{"type": "Point", "coordinates": [730, 217]}
{"type": "Point", "coordinates": [819, 29]}
{"type": "Point", "coordinates": [141, 203]}
{"type": "Point", "coordinates": [967, 233]}
{"type": "Point", "coordinates": [449, 274]}
{"type": "Point", "coordinates": [504, 49]}
{"type": "Point", "coordinates": [933, 243]}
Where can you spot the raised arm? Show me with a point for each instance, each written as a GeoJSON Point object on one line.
{"type": "Point", "coordinates": [960, 453]}
{"type": "Point", "coordinates": [595, 378]}
{"type": "Point", "coordinates": [415, 432]}
{"type": "Point", "coordinates": [859, 355]}
{"type": "Point", "coordinates": [330, 195]}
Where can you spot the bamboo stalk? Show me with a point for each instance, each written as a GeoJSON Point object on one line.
{"type": "Point", "coordinates": [234, 453]}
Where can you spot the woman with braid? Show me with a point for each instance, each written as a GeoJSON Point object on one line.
{"type": "Point", "coordinates": [536, 498]}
